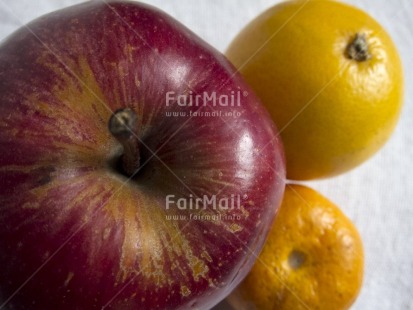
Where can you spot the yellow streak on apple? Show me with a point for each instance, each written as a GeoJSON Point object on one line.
{"type": "Point", "coordinates": [83, 99]}
{"type": "Point", "coordinates": [147, 235]}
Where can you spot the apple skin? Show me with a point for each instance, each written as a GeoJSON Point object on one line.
{"type": "Point", "coordinates": [74, 232]}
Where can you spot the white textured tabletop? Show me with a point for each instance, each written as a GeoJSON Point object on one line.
{"type": "Point", "coordinates": [377, 196]}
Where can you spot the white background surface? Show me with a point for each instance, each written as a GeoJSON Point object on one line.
{"type": "Point", "coordinates": [377, 196]}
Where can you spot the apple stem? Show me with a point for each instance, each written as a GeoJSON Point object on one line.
{"type": "Point", "coordinates": [358, 48]}
{"type": "Point", "coordinates": [123, 126]}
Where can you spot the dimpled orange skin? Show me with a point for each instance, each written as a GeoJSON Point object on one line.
{"type": "Point", "coordinates": [313, 259]}
{"type": "Point", "coordinates": [333, 112]}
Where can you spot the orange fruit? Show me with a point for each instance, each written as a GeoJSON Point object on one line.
{"type": "Point", "coordinates": [312, 259]}
{"type": "Point", "coordinates": [331, 78]}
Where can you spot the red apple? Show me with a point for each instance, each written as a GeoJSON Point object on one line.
{"type": "Point", "coordinates": [103, 210]}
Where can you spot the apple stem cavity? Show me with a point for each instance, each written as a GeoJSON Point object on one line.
{"type": "Point", "coordinates": [358, 48]}
{"type": "Point", "coordinates": [123, 126]}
